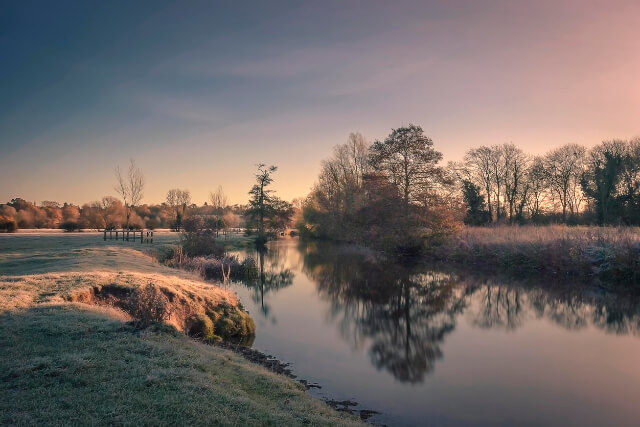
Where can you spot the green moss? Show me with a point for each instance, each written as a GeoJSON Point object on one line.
{"type": "Point", "coordinates": [201, 326]}
{"type": "Point", "coordinates": [232, 323]}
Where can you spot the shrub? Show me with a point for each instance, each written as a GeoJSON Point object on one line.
{"type": "Point", "coordinates": [149, 305]}
{"type": "Point", "coordinates": [69, 226]}
{"type": "Point", "coordinates": [201, 243]}
{"type": "Point", "coordinates": [200, 326]}
{"type": "Point", "coordinates": [8, 225]}
{"type": "Point", "coordinates": [233, 324]}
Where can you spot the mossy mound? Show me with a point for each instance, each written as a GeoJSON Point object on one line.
{"type": "Point", "coordinates": [200, 326]}
{"type": "Point", "coordinates": [231, 323]}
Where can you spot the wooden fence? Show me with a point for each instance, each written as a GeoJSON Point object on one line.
{"type": "Point", "coordinates": [142, 236]}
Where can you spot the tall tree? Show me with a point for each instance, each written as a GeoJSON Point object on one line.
{"type": "Point", "coordinates": [516, 187]}
{"type": "Point", "coordinates": [178, 200]}
{"type": "Point", "coordinates": [264, 207]}
{"type": "Point", "coordinates": [218, 201]}
{"type": "Point", "coordinates": [338, 195]}
{"type": "Point", "coordinates": [129, 187]}
{"type": "Point", "coordinates": [537, 179]}
{"type": "Point", "coordinates": [564, 167]}
{"type": "Point", "coordinates": [409, 161]}
{"type": "Point", "coordinates": [477, 168]}
{"type": "Point", "coordinates": [473, 198]}
{"type": "Point", "coordinates": [601, 177]}
{"type": "Point", "coordinates": [497, 168]}
{"type": "Point", "coordinates": [630, 182]}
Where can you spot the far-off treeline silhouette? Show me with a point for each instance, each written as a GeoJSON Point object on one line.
{"type": "Point", "coordinates": [108, 213]}
{"type": "Point", "coordinates": [265, 213]}
{"type": "Point", "coordinates": [392, 192]}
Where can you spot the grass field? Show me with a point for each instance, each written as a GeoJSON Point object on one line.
{"type": "Point", "coordinates": [65, 362]}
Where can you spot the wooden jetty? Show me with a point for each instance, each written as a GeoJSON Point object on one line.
{"type": "Point", "coordinates": [142, 236]}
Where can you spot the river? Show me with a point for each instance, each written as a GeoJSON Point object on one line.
{"type": "Point", "coordinates": [430, 347]}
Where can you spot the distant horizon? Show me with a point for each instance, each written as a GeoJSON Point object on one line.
{"type": "Point", "coordinates": [198, 93]}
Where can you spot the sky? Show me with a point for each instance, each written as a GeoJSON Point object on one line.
{"type": "Point", "coordinates": [198, 93]}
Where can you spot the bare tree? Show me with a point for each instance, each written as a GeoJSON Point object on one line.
{"type": "Point", "coordinates": [478, 170]}
{"type": "Point", "coordinates": [130, 187]}
{"type": "Point", "coordinates": [516, 187]}
{"type": "Point", "coordinates": [218, 199]}
{"type": "Point", "coordinates": [537, 179]}
{"type": "Point", "coordinates": [564, 167]}
{"type": "Point", "coordinates": [496, 164]}
{"type": "Point", "coordinates": [179, 200]}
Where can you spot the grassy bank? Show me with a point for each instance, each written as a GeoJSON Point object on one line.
{"type": "Point", "coordinates": [76, 364]}
{"type": "Point", "coordinates": [70, 353]}
{"type": "Point", "coordinates": [610, 255]}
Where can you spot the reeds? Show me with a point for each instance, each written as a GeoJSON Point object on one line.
{"type": "Point", "coordinates": [611, 254]}
{"type": "Point", "coordinates": [221, 269]}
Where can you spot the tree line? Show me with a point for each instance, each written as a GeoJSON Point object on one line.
{"type": "Point", "coordinates": [569, 184]}
{"type": "Point", "coordinates": [393, 192]}
{"type": "Point", "coordinates": [265, 213]}
{"type": "Point", "coordinates": [396, 193]}
{"type": "Point", "coordinates": [108, 213]}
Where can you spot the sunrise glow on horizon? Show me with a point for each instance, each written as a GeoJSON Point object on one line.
{"type": "Point", "coordinates": [198, 93]}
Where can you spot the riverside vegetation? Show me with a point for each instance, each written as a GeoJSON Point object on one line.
{"type": "Point", "coordinates": [395, 196]}
{"type": "Point", "coordinates": [610, 256]}
{"type": "Point", "coordinates": [101, 337]}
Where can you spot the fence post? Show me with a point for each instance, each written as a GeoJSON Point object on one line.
{"type": "Point", "coordinates": [105, 235]}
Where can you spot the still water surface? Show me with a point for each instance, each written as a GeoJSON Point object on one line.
{"type": "Point", "coordinates": [438, 348]}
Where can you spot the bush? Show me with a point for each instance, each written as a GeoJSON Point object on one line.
{"type": "Point", "coordinates": [201, 326]}
{"type": "Point", "coordinates": [211, 267]}
{"type": "Point", "coordinates": [149, 305]}
{"type": "Point", "coordinates": [8, 225]}
{"type": "Point", "coordinates": [201, 243]}
{"type": "Point", "coordinates": [233, 324]}
{"type": "Point", "coordinates": [70, 226]}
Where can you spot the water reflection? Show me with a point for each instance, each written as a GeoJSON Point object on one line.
{"type": "Point", "coordinates": [402, 314]}
{"type": "Point", "coordinates": [500, 307]}
{"type": "Point", "coordinates": [272, 276]}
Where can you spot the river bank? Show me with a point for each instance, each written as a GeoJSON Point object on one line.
{"type": "Point", "coordinates": [72, 351]}
{"type": "Point", "coordinates": [606, 256]}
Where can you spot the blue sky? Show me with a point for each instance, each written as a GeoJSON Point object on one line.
{"type": "Point", "coordinates": [199, 92]}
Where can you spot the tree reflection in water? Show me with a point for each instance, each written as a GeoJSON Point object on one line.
{"type": "Point", "coordinates": [271, 277]}
{"type": "Point", "coordinates": [401, 314]}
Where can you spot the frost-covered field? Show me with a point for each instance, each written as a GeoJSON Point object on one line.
{"type": "Point", "coordinates": [68, 355]}
{"type": "Point", "coordinates": [36, 253]}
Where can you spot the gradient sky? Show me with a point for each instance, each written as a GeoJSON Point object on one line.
{"type": "Point", "coordinates": [199, 92]}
